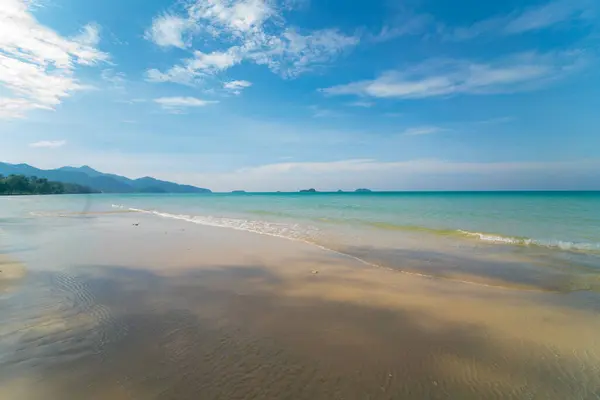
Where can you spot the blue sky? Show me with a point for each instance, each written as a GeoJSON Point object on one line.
{"type": "Point", "coordinates": [288, 94]}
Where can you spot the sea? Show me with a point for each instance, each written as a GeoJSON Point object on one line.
{"type": "Point", "coordinates": [528, 240]}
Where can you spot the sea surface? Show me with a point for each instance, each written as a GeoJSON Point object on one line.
{"type": "Point", "coordinates": [548, 240]}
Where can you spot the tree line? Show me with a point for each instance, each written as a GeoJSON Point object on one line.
{"type": "Point", "coordinates": [22, 185]}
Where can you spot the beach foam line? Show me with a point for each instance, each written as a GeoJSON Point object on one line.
{"type": "Point", "coordinates": [524, 241]}
{"type": "Point", "coordinates": [243, 226]}
{"type": "Point", "coordinates": [282, 230]}
{"type": "Point", "coordinates": [491, 238]}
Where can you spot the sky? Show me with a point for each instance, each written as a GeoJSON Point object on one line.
{"type": "Point", "coordinates": [269, 95]}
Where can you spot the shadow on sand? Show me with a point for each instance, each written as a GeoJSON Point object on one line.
{"type": "Point", "coordinates": [232, 333]}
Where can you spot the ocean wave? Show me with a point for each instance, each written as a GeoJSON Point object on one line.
{"type": "Point", "coordinates": [46, 214]}
{"type": "Point", "coordinates": [288, 231]}
{"type": "Point", "coordinates": [524, 241]}
{"type": "Point", "coordinates": [492, 238]}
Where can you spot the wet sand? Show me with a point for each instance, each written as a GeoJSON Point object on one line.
{"type": "Point", "coordinates": [10, 270]}
{"type": "Point", "coordinates": [172, 310]}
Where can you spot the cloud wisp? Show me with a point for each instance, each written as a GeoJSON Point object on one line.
{"type": "Point", "coordinates": [549, 15]}
{"type": "Point", "coordinates": [422, 130]}
{"type": "Point", "coordinates": [236, 87]}
{"type": "Point", "coordinates": [177, 105]}
{"type": "Point", "coordinates": [436, 78]}
{"type": "Point", "coordinates": [48, 144]}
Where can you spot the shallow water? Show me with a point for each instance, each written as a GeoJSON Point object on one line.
{"type": "Point", "coordinates": [171, 309]}
{"type": "Point", "coordinates": [539, 240]}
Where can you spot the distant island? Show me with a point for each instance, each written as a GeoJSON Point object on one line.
{"type": "Point", "coordinates": [15, 185]}
{"type": "Point", "coordinates": [238, 191]}
{"type": "Point", "coordinates": [362, 191]}
{"type": "Point", "coordinates": [311, 190]}
{"type": "Point", "coordinates": [97, 181]}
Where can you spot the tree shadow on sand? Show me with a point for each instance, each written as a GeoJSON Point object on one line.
{"type": "Point", "coordinates": [230, 333]}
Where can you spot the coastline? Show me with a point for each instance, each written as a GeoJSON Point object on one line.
{"type": "Point", "coordinates": [175, 309]}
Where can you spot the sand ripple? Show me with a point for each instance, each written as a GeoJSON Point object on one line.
{"type": "Point", "coordinates": [55, 319]}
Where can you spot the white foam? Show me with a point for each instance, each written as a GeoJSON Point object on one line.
{"type": "Point", "coordinates": [552, 244]}
{"type": "Point", "coordinates": [47, 214]}
{"type": "Point", "coordinates": [287, 231]}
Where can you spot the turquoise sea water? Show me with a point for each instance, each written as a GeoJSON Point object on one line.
{"type": "Point", "coordinates": [558, 230]}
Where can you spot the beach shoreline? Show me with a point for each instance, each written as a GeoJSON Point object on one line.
{"type": "Point", "coordinates": [146, 307]}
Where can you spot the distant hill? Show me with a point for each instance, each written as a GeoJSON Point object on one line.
{"type": "Point", "coordinates": [99, 181]}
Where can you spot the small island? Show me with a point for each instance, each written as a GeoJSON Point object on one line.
{"type": "Point", "coordinates": [15, 185]}
{"type": "Point", "coordinates": [238, 191]}
{"type": "Point", "coordinates": [363, 191]}
{"type": "Point", "coordinates": [311, 190]}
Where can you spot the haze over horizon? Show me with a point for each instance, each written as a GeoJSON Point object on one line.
{"type": "Point", "coordinates": [266, 95]}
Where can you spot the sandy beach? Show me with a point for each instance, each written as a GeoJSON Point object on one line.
{"type": "Point", "coordinates": [131, 306]}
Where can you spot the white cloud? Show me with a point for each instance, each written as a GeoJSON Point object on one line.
{"type": "Point", "coordinates": [531, 19]}
{"type": "Point", "coordinates": [117, 79]}
{"type": "Point", "coordinates": [250, 30]}
{"type": "Point", "coordinates": [293, 53]}
{"type": "Point", "coordinates": [404, 25]}
{"type": "Point", "coordinates": [548, 15]}
{"type": "Point", "coordinates": [319, 112]}
{"type": "Point", "coordinates": [49, 144]}
{"type": "Point", "coordinates": [236, 87]}
{"type": "Point", "coordinates": [177, 104]}
{"type": "Point", "coordinates": [422, 130]}
{"type": "Point", "coordinates": [198, 67]}
{"type": "Point", "coordinates": [37, 65]}
{"type": "Point", "coordinates": [215, 61]}
{"type": "Point", "coordinates": [520, 72]}
{"type": "Point", "coordinates": [231, 17]}
{"type": "Point", "coordinates": [168, 30]}
{"type": "Point", "coordinates": [131, 101]}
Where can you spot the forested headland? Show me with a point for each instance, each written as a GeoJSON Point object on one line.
{"type": "Point", "coordinates": [23, 185]}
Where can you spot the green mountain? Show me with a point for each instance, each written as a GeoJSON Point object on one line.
{"type": "Point", "coordinates": [99, 181]}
